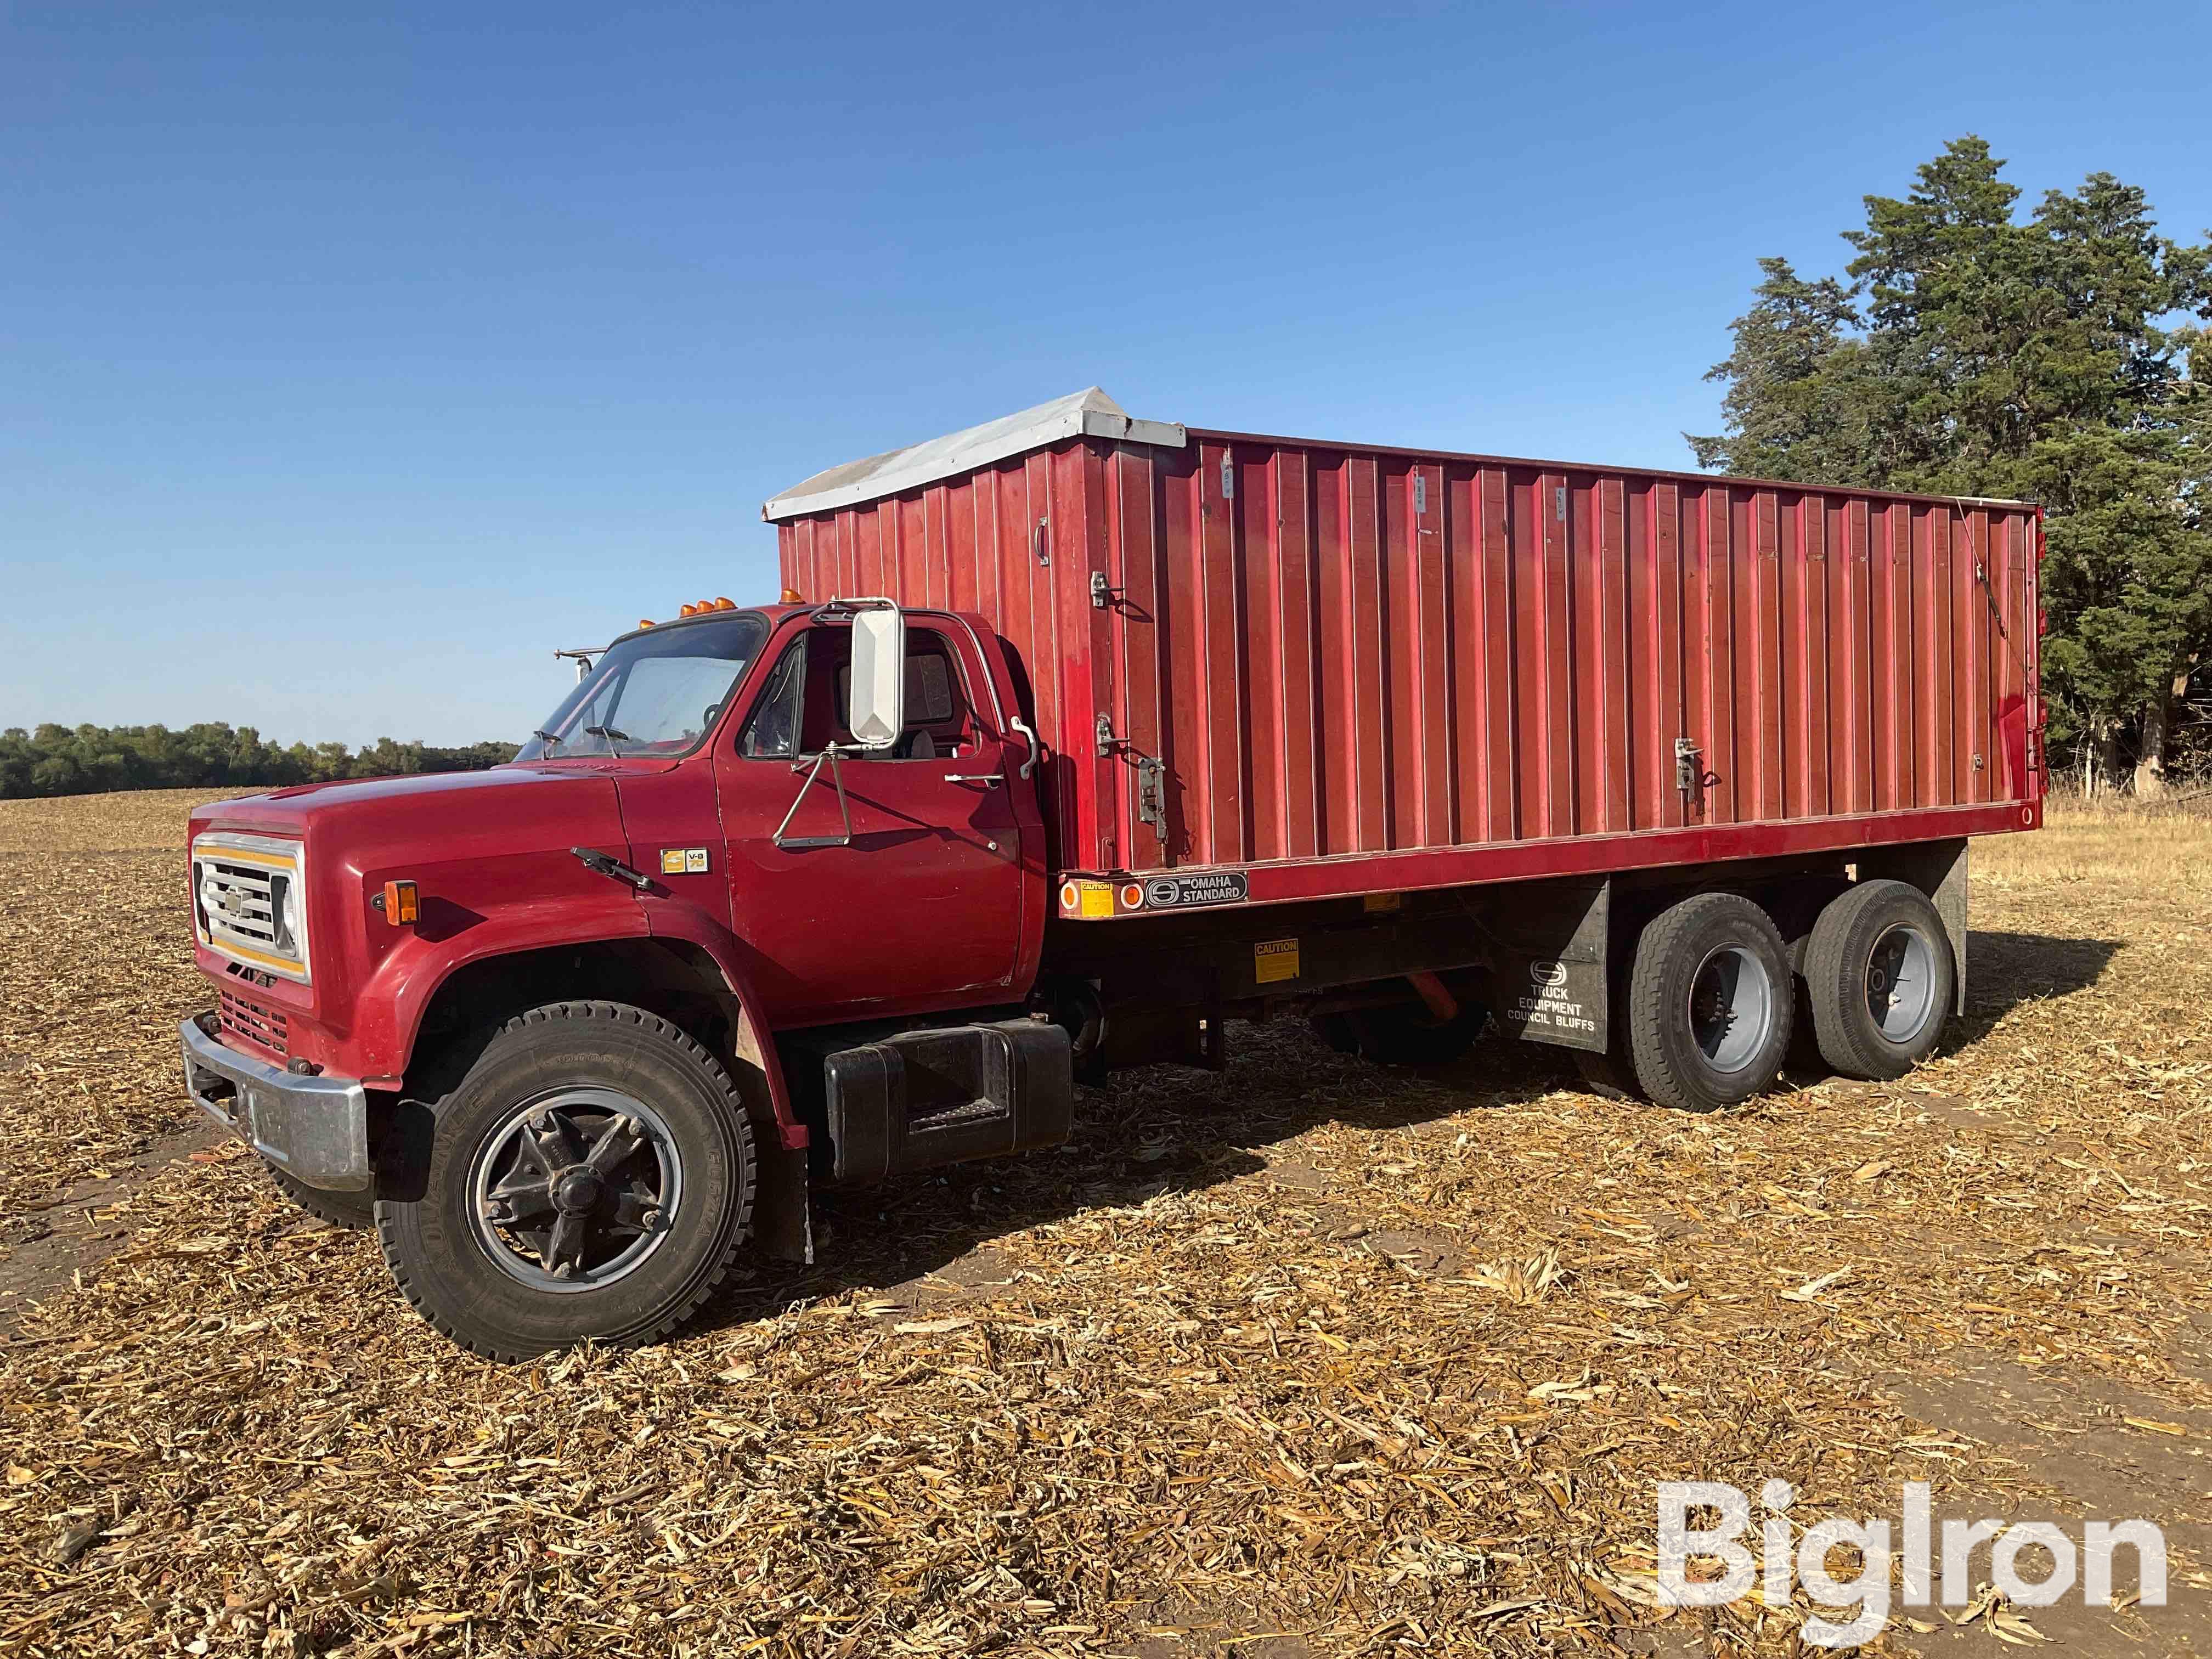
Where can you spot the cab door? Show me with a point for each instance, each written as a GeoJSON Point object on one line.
{"type": "Point", "coordinates": [906, 897]}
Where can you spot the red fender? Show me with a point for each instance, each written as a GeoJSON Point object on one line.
{"type": "Point", "coordinates": [675, 919]}
{"type": "Point", "coordinates": [398, 993]}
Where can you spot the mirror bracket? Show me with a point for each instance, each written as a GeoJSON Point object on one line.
{"type": "Point", "coordinates": [829, 757]}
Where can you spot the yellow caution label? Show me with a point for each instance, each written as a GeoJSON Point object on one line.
{"type": "Point", "coordinates": [1275, 960]}
{"type": "Point", "coordinates": [1097, 899]}
{"type": "Point", "coordinates": [1383, 902]}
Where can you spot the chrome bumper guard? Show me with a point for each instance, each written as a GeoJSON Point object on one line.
{"type": "Point", "coordinates": [314, 1128]}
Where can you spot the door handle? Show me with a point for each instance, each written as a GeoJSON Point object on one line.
{"type": "Point", "coordinates": [989, 780]}
{"type": "Point", "coordinates": [1036, 749]}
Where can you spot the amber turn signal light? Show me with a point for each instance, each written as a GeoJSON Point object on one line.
{"type": "Point", "coordinates": [401, 905]}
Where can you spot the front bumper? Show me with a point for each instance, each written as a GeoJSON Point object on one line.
{"type": "Point", "coordinates": [314, 1128]}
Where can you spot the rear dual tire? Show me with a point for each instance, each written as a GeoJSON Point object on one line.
{"type": "Point", "coordinates": [1710, 1003]}
{"type": "Point", "coordinates": [591, 1176]}
{"type": "Point", "coordinates": [1880, 978]}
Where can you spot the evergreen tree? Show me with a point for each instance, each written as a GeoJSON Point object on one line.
{"type": "Point", "coordinates": [1975, 354]}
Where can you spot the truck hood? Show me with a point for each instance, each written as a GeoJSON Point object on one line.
{"type": "Point", "coordinates": [446, 817]}
{"type": "Point", "coordinates": [479, 846]}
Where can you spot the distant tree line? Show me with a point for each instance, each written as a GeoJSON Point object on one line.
{"type": "Point", "coordinates": [1967, 352]}
{"type": "Point", "coordinates": [82, 760]}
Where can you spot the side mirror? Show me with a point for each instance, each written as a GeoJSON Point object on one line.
{"type": "Point", "coordinates": [877, 718]}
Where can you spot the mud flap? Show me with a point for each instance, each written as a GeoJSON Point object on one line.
{"type": "Point", "coordinates": [783, 1218]}
{"type": "Point", "coordinates": [1550, 984]}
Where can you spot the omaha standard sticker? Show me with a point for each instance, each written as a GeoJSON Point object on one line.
{"type": "Point", "coordinates": [1192, 892]}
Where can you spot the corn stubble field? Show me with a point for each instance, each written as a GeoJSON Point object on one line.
{"type": "Point", "coordinates": [1310, 1357]}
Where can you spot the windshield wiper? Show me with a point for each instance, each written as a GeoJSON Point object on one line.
{"type": "Point", "coordinates": [548, 739]}
{"type": "Point", "coordinates": [610, 734]}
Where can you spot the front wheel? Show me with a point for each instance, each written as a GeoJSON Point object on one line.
{"type": "Point", "coordinates": [354, 1211]}
{"type": "Point", "coordinates": [591, 1176]}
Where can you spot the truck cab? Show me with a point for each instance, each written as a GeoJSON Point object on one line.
{"type": "Point", "coordinates": [540, 1012]}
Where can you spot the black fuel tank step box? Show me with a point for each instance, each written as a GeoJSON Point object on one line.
{"type": "Point", "coordinates": [922, 1099]}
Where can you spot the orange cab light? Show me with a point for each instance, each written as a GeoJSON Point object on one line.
{"type": "Point", "coordinates": [790, 596]}
{"type": "Point", "coordinates": [645, 622]}
{"type": "Point", "coordinates": [725, 604]}
{"type": "Point", "coordinates": [402, 907]}
{"type": "Point", "coordinates": [689, 610]}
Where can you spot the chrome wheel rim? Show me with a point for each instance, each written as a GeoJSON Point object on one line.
{"type": "Point", "coordinates": [1900, 982]}
{"type": "Point", "coordinates": [575, 1189]}
{"type": "Point", "coordinates": [1731, 1008]}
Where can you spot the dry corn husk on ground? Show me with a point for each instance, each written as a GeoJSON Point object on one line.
{"type": "Point", "coordinates": [1307, 1359]}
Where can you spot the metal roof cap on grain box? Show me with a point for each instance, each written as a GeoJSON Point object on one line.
{"type": "Point", "coordinates": [1343, 667]}
{"type": "Point", "coordinates": [1087, 414]}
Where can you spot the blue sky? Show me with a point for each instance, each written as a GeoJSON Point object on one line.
{"type": "Point", "coordinates": [352, 358]}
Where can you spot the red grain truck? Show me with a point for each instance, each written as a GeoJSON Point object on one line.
{"type": "Point", "coordinates": [1074, 737]}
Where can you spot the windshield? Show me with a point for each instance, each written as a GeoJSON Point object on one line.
{"type": "Point", "coordinates": [653, 694]}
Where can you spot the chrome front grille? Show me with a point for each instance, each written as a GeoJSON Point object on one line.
{"type": "Point", "coordinates": [239, 902]}
{"type": "Point", "coordinates": [249, 901]}
{"type": "Point", "coordinates": [253, 1021]}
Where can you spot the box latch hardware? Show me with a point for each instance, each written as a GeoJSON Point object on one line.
{"type": "Point", "coordinates": [1689, 772]}
{"type": "Point", "coordinates": [1153, 795]}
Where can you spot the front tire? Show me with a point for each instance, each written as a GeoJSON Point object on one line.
{"type": "Point", "coordinates": [1880, 978]}
{"type": "Point", "coordinates": [1711, 1004]}
{"type": "Point", "coordinates": [354, 1211]}
{"type": "Point", "coordinates": [591, 1176]}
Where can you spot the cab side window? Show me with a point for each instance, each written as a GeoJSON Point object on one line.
{"type": "Point", "coordinates": [937, 722]}
{"type": "Point", "coordinates": [802, 707]}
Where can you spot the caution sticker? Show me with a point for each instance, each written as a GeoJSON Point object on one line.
{"type": "Point", "coordinates": [1089, 900]}
{"type": "Point", "coordinates": [1275, 960]}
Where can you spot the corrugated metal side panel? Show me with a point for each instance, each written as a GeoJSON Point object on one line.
{"type": "Point", "coordinates": [1334, 652]}
{"type": "Point", "coordinates": [1367, 653]}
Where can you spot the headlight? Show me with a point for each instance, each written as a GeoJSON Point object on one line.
{"type": "Point", "coordinates": [284, 892]}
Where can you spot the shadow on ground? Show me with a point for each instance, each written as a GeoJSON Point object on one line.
{"type": "Point", "coordinates": [1166, 1129]}
{"type": "Point", "coordinates": [2004, 970]}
